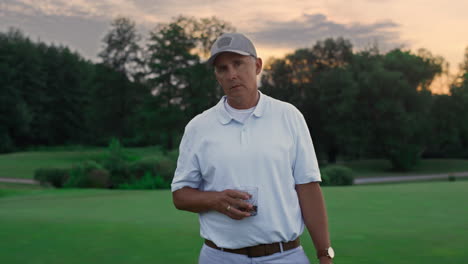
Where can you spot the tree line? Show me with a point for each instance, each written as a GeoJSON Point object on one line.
{"type": "Point", "coordinates": [144, 90]}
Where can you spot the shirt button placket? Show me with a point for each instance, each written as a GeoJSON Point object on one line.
{"type": "Point", "coordinates": [243, 136]}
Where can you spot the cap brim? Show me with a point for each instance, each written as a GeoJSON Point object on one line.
{"type": "Point", "coordinates": [211, 60]}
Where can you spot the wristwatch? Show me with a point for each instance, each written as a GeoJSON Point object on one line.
{"type": "Point", "coordinates": [329, 252]}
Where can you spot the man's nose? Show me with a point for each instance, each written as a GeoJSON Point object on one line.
{"type": "Point", "coordinates": [232, 73]}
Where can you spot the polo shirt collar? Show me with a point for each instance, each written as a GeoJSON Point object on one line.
{"type": "Point", "coordinates": [224, 117]}
{"type": "Point", "coordinates": [258, 112]}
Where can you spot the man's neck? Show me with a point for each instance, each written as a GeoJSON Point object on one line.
{"type": "Point", "coordinates": [244, 103]}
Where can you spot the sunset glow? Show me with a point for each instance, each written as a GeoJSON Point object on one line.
{"type": "Point", "coordinates": [277, 27]}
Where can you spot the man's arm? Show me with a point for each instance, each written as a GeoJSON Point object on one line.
{"type": "Point", "coordinates": [315, 215]}
{"type": "Point", "coordinates": [226, 202]}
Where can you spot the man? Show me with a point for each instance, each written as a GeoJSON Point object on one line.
{"type": "Point", "coordinates": [250, 139]}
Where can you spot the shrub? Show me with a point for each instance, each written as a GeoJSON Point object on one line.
{"type": "Point", "coordinates": [117, 163]}
{"type": "Point", "coordinates": [148, 181]}
{"type": "Point", "coordinates": [404, 157]}
{"type": "Point", "coordinates": [166, 167]}
{"type": "Point", "coordinates": [98, 178]}
{"type": "Point", "coordinates": [53, 176]}
{"type": "Point", "coordinates": [139, 168]}
{"type": "Point", "coordinates": [452, 177]}
{"type": "Point", "coordinates": [6, 143]}
{"type": "Point", "coordinates": [160, 168]}
{"type": "Point", "coordinates": [88, 174]}
{"type": "Point", "coordinates": [335, 175]}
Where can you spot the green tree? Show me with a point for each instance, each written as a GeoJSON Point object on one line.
{"type": "Point", "coordinates": [395, 104]}
{"type": "Point", "coordinates": [109, 109]}
{"type": "Point", "coordinates": [452, 122]}
{"type": "Point", "coordinates": [318, 81]}
{"type": "Point", "coordinates": [445, 119]}
{"type": "Point", "coordinates": [118, 91]}
{"type": "Point", "coordinates": [121, 50]}
{"type": "Point", "coordinates": [67, 82]}
{"type": "Point", "coordinates": [43, 93]}
{"type": "Point", "coordinates": [181, 83]}
{"type": "Point", "coordinates": [336, 99]}
{"type": "Point", "coordinates": [169, 58]}
{"type": "Point", "coordinates": [15, 115]}
{"type": "Point", "coordinates": [203, 31]}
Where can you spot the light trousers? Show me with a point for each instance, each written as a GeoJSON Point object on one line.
{"type": "Point", "coordinates": [214, 256]}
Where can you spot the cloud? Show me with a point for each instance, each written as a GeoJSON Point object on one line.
{"type": "Point", "coordinates": [78, 24]}
{"type": "Point", "coordinates": [81, 24]}
{"type": "Point", "coordinates": [79, 34]}
{"type": "Point", "coordinates": [309, 28]}
{"type": "Point", "coordinates": [142, 11]}
{"type": "Point", "coordinates": [98, 10]}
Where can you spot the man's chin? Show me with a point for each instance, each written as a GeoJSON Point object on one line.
{"type": "Point", "coordinates": [235, 91]}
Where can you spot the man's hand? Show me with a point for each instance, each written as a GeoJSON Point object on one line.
{"type": "Point", "coordinates": [229, 202]}
{"type": "Point", "coordinates": [232, 204]}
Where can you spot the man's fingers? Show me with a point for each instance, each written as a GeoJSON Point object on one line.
{"type": "Point", "coordinates": [240, 204]}
{"type": "Point", "coordinates": [237, 194]}
{"type": "Point", "coordinates": [234, 204]}
{"type": "Point", "coordinates": [237, 214]}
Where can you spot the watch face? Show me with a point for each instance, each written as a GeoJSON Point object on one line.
{"type": "Point", "coordinates": [331, 252]}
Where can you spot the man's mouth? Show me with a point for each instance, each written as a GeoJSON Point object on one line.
{"type": "Point", "coordinates": [235, 86]}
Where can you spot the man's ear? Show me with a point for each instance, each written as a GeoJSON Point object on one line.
{"type": "Point", "coordinates": [258, 65]}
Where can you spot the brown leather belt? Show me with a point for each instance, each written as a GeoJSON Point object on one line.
{"type": "Point", "coordinates": [258, 250]}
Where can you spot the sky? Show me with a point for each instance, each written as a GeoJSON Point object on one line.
{"type": "Point", "coordinates": [276, 27]}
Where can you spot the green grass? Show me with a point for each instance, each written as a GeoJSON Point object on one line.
{"type": "Point", "coordinates": [9, 189]}
{"type": "Point", "coordinates": [23, 164]}
{"type": "Point", "coordinates": [382, 168]}
{"type": "Point", "coordinates": [402, 223]}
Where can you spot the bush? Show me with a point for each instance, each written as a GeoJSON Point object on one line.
{"type": "Point", "coordinates": [139, 168]}
{"type": "Point", "coordinates": [166, 167]}
{"type": "Point", "coordinates": [53, 176]}
{"type": "Point", "coordinates": [335, 175]}
{"type": "Point", "coordinates": [452, 177]}
{"type": "Point", "coordinates": [404, 157]}
{"type": "Point", "coordinates": [161, 169]}
{"type": "Point", "coordinates": [117, 163]}
{"type": "Point", "coordinates": [6, 143]}
{"type": "Point", "coordinates": [148, 181]}
{"type": "Point", "coordinates": [98, 178]}
{"type": "Point", "coordinates": [88, 174]}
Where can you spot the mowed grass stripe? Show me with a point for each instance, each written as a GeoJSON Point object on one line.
{"type": "Point", "coordinates": [401, 223]}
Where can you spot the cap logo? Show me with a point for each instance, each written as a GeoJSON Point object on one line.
{"type": "Point", "coordinates": [223, 42]}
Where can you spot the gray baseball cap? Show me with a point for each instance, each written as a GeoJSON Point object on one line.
{"type": "Point", "coordinates": [232, 42]}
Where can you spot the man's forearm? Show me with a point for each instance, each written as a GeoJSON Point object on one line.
{"type": "Point", "coordinates": [314, 213]}
{"type": "Point", "coordinates": [193, 200]}
{"type": "Point", "coordinates": [229, 202]}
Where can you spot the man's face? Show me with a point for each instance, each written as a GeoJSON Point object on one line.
{"type": "Point", "coordinates": [237, 74]}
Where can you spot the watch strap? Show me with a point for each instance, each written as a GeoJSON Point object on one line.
{"type": "Point", "coordinates": [323, 253]}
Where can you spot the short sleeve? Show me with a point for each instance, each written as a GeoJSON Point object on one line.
{"type": "Point", "coordinates": [187, 173]}
{"type": "Point", "coordinates": [305, 166]}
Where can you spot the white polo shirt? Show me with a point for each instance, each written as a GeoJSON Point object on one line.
{"type": "Point", "coordinates": [272, 150]}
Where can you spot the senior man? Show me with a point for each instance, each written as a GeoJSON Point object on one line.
{"type": "Point", "coordinates": [250, 139]}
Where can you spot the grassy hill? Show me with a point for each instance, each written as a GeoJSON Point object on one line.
{"type": "Point", "coordinates": [402, 223]}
